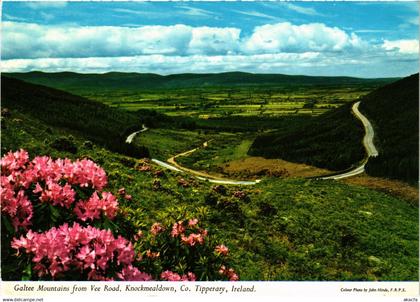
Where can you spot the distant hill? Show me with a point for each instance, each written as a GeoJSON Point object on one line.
{"type": "Point", "coordinates": [394, 112]}
{"type": "Point", "coordinates": [92, 120]}
{"type": "Point", "coordinates": [77, 82]}
{"type": "Point", "coordinates": [331, 141]}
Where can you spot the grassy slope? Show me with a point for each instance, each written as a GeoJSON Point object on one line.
{"type": "Point", "coordinates": [93, 120]}
{"type": "Point", "coordinates": [394, 112]}
{"type": "Point", "coordinates": [223, 148]}
{"type": "Point", "coordinates": [75, 82]}
{"type": "Point", "coordinates": [318, 230]}
{"type": "Point", "coordinates": [332, 141]}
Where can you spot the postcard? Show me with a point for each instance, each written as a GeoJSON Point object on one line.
{"type": "Point", "coordinates": [210, 150]}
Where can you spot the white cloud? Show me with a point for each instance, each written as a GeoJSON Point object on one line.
{"type": "Point", "coordinates": [196, 12]}
{"type": "Point", "coordinates": [363, 31]}
{"type": "Point", "coordinates": [413, 21]}
{"type": "Point", "coordinates": [142, 13]}
{"type": "Point", "coordinates": [286, 37]}
{"type": "Point", "coordinates": [303, 10]}
{"type": "Point", "coordinates": [13, 18]}
{"type": "Point", "coordinates": [402, 46]}
{"type": "Point", "coordinates": [26, 40]}
{"type": "Point", "coordinates": [278, 48]}
{"type": "Point", "coordinates": [256, 14]}
{"type": "Point", "coordinates": [45, 4]}
{"type": "Point", "coordinates": [161, 63]}
{"type": "Point", "coordinates": [309, 63]}
{"type": "Point", "coordinates": [211, 40]}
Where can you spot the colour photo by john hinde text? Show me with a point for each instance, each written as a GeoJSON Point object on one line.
{"type": "Point", "coordinates": [209, 141]}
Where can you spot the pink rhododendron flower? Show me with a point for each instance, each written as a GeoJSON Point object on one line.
{"type": "Point", "coordinates": [16, 205]}
{"type": "Point", "coordinates": [57, 195]}
{"type": "Point", "coordinates": [92, 208]}
{"type": "Point", "coordinates": [94, 275]}
{"type": "Point", "coordinates": [138, 235]}
{"type": "Point", "coordinates": [191, 276]}
{"type": "Point", "coordinates": [128, 197]}
{"type": "Point", "coordinates": [193, 222]}
{"type": "Point", "coordinates": [222, 250]}
{"type": "Point", "coordinates": [53, 181]}
{"type": "Point", "coordinates": [177, 229]}
{"type": "Point", "coordinates": [230, 273]}
{"type": "Point", "coordinates": [87, 249]}
{"type": "Point", "coordinates": [222, 270]}
{"type": "Point", "coordinates": [233, 277]}
{"type": "Point", "coordinates": [192, 239]}
{"type": "Point", "coordinates": [87, 173]}
{"type": "Point", "coordinates": [84, 248]}
{"type": "Point", "coordinates": [14, 161]}
{"type": "Point", "coordinates": [109, 205]}
{"type": "Point", "coordinates": [156, 228]}
{"type": "Point", "coordinates": [170, 276]}
{"type": "Point", "coordinates": [139, 257]}
{"type": "Point", "coordinates": [130, 273]}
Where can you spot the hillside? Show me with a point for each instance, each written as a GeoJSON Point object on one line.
{"type": "Point", "coordinates": [92, 120]}
{"type": "Point", "coordinates": [394, 112]}
{"type": "Point", "coordinates": [76, 82]}
{"type": "Point", "coordinates": [331, 141]}
{"type": "Point", "coordinates": [319, 230]}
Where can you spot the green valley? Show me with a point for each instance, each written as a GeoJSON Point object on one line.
{"type": "Point", "coordinates": [287, 226]}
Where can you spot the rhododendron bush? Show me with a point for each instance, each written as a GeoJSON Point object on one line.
{"type": "Point", "coordinates": [183, 251]}
{"type": "Point", "coordinates": [67, 190]}
{"type": "Point", "coordinates": [57, 220]}
{"type": "Point", "coordinates": [88, 252]}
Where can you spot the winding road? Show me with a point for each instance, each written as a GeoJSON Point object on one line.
{"type": "Point", "coordinates": [371, 150]}
{"type": "Point", "coordinates": [174, 166]}
{"type": "Point", "coordinates": [171, 164]}
{"type": "Point", "coordinates": [132, 135]}
{"type": "Point", "coordinates": [205, 176]}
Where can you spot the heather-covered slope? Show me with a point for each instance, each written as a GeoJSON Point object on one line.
{"type": "Point", "coordinates": [331, 140]}
{"type": "Point", "coordinates": [394, 113]}
{"type": "Point", "coordinates": [92, 120]}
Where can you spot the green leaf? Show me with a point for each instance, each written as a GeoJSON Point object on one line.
{"type": "Point", "coordinates": [8, 225]}
{"type": "Point", "coordinates": [27, 273]}
{"type": "Point", "coordinates": [109, 225]}
{"type": "Point", "coordinates": [55, 214]}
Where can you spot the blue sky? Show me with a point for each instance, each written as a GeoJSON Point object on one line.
{"type": "Point", "coordinates": [364, 39]}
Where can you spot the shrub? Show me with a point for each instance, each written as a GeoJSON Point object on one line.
{"type": "Point", "coordinates": [182, 251]}
{"type": "Point", "coordinates": [48, 195]}
{"type": "Point", "coordinates": [88, 145]}
{"type": "Point", "coordinates": [86, 252]}
{"type": "Point", "coordinates": [65, 144]}
{"type": "Point", "coordinates": [54, 191]}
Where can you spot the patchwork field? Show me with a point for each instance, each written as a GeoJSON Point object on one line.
{"type": "Point", "coordinates": [216, 103]}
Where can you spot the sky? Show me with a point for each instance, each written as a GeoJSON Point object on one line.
{"type": "Point", "coordinates": [363, 39]}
